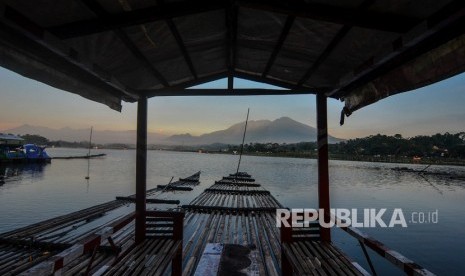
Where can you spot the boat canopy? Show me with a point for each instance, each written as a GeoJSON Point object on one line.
{"type": "Point", "coordinates": [356, 51]}
{"type": "Point", "coordinates": [10, 139]}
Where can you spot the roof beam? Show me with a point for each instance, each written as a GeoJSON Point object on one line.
{"type": "Point", "coordinates": [96, 8]}
{"type": "Point", "coordinates": [64, 62]}
{"type": "Point", "coordinates": [140, 56]}
{"type": "Point", "coordinates": [332, 45]}
{"type": "Point", "coordinates": [181, 46]}
{"type": "Point", "coordinates": [136, 17]}
{"type": "Point", "coordinates": [231, 39]}
{"type": "Point", "coordinates": [333, 14]}
{"type": "Point", "coordinates": [230, 82]}
{"type": "Point", "coordinates": [174, 30]}
{"type": "Point", "coordinates": [275, 82]}
{"type": "Point", "coordinates": [201, 80]}
{"type": "Point", "coordinates": [227, 92]}
{"type": "Point", "coordinates": [326, 52]}
{"type": "Point", "coordinates": [327, 13]}
{"type": "Point", "coordinates": [279, 44]}
{"type": "Point", "coordinates": [177, 90]}
{"type": "Point", "coordinates": [446, 24]}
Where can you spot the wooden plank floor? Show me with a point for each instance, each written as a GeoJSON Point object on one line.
{"type": "Point", "coordinates": [318, 258]}
{"type": "Point", "coordinates": [226, 220]}
{"type": "Point", "coordinates": [237, 212]}
{"type": "Point", "coordinates": [231, 212]}
{"type": "Point", "coordinates": [148, 258]}
{"type": "Point", "coordinates": [23, 248]}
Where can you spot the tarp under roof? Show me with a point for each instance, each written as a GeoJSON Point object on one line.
{"type": "Point", "coordinates": [113, 50]}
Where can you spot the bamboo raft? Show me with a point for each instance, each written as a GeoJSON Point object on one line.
{"type": "Point", "coordinates": [23, 248]}
{"type": "Point", "coordinates": [223, 213]}
{"type": "Point", "coordinates": [80, 156]}
{"type": "Point", "coordinates": [233, 214]}
{"type": "Point", "coordinates": [183, 184]}
{"type": "Point", "coordinates": [228, 213]}
{"type": "Point", "coordinates": [424, 172]}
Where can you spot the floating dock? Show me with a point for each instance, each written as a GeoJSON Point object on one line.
{"type": "Point", "coordinates": [80, 156]}
{"type": "Point", "coordinates": [23, 248]}
{"type": "Point", "coordinates": [230, 227]}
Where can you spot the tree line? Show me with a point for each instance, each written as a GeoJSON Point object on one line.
{"type": "Point", "coordinates": [438, 145]}
{"type": "Point", "coordinates": [42, 141]}
{"type": "Point", "coordinates": [445, 145]}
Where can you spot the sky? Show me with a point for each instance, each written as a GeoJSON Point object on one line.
{"type": "Point", "coordinates": [437, 108]}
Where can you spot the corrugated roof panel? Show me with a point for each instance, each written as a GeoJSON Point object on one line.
{"type": "Point", "coordinates": [354, 50]}
{"type": "Point", "coordinates": [305, 43]}
{"type": "Point", "coordinates": [158, 45]}
{"type": "Point", "coordinates": [255, 42]}
{"type": "Point", "coordinates": [149, 57]}
{"type": "Point", "coordinates": [48, 13]}
{"type": "Point", "coordinates": [205, 40]}
{"type": "Point", "coordinates": [109, 52]}
{"type": "Point", "coordinates": [118, 6]}
{"type": "Point", "coordinates": [416, 9]}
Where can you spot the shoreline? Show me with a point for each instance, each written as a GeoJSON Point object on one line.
{"type": "Point", "coordinates": [372, 159]}
{"type": "Point", "coordinates": [359, 159]}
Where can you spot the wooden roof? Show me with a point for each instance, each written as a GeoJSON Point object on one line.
{"type": "Point", "coordinates": [113, 50]}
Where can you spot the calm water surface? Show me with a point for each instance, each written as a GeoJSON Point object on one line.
{"type": "Point", "coordinates": [36, 192]}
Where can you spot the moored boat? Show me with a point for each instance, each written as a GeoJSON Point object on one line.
{"type": "Point", "coordinates": [13, 149]}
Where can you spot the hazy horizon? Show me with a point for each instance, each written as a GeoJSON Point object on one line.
{"type": "Point", "coordinates": [437, 108]}
{"type": "Point", "coordinates": [282, 130]}
{"type": "Point", "coordinates": [185, 133]}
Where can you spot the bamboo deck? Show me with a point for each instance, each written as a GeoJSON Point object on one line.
{"type": "Point", "coordinates": [317, 258]}
{"type": "Point", "coordinates": [228, 212]}
{"type": "Point", "coordinates": [23, 248]}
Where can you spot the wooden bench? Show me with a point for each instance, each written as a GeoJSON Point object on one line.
{"type": "Point", "coordinates": [302, 253]}
{"type": "Point", "coordinates": [163, 245]}
{"type": "Point", "coordinates": [83, 251]}
{"type": "Point", "coordinates": [112, 251]}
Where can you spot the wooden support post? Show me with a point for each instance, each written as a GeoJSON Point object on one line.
{"type": "Point", "coordinates": [178, 235]}
{"type": "Point", "coordinates": [367, 257]}
{"type": "Point", "coordinates": [323, 172]}
{"type": "Point", "coordinates": [91, 261]}
{"type": "Point", "coordinates": [176, 264]}
{"type": "Point", "coordinates": [178, 224]}
{"type": "Point", "coordinates": [141, 169]}
{"type": "Point", "coordinates": [286, 237]}
{"type": "Point", "coordinates": [230, 83]}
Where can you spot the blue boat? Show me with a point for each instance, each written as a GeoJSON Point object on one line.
{"type": "Point", "coordinates": [13, 149]}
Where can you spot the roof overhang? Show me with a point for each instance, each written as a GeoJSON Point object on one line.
{"type": "Point", "coordinates": [356, 51]}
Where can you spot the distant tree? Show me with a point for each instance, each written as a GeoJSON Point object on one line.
{"type": "Point", "coordinates": [35, 139]}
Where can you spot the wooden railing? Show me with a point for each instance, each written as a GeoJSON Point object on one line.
{"type": "Point", "coordinates": [167, 225]}
{"type": "Point", "coordinates": [164, 224]}
{"type": "Point", "coordinates": [293, 234]}
{"type": "Point", "coordinates": [89, 244]}
{"type": "Point", "coordinates": [402, 262]}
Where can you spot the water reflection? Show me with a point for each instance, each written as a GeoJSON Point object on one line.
{"type": "Point", "coordinates": [61, 188]}
{"type": "Point", "coordinates": [19, 172]}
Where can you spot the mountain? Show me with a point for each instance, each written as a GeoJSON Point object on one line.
{"type": "Point", "coordinates": [78, 135]}
{"type": "Point", "coordinates": [282, 130]}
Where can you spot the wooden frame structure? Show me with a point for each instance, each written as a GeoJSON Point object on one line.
{"type": "Point", "coordinates": [67, 47]}
{"type": "Point", "coordinates": [408, 38]}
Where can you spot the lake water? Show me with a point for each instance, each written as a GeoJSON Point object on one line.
{"type": "Point", "coordinates": [36, 192]}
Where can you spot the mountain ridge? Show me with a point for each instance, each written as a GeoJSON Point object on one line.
{"type": "Point", "coordinates": [281, 130]}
